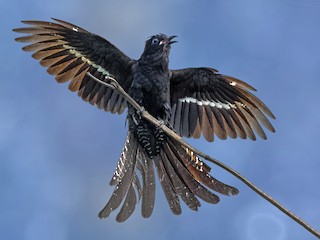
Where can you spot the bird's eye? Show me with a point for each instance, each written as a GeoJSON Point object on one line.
{"type": "Point", "coordinates": [155, 41]}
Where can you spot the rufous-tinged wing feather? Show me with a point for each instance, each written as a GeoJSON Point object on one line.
{"type": "Point", "coordinates": [70, 52]}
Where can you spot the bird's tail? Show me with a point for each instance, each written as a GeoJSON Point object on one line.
{"type": "Point", "coordinates": [182, 174]}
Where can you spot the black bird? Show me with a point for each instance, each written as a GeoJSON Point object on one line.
{"type": "Point", "coordinates": [192, 101]}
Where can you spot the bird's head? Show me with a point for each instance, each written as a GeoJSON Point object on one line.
{"type": "Point", "coordinates": [157, 47]}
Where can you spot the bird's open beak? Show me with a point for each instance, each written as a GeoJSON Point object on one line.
{"type": "Point", "coordinates": [168, 40]}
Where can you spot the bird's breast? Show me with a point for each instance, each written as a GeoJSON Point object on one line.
{"type": "Point", "coordinates": [150, 88]}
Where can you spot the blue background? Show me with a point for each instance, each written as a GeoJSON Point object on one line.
{"type": "Point", "coordinates": [57, 153]}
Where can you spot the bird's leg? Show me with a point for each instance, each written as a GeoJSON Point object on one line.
{"type": "Point", "coordinates": [159, 135]}
{"type": "Point", "coordinates": [165, 119]}
{"type": "Point", "coordinates": [166, 115]}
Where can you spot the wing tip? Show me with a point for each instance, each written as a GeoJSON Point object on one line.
{"type": "Point", "coordinates": [16, 30]}
{"type": "Point", "coordinates": [55, 19]}
{"type": "Point", "coordinates": [237, 82]}
{"type": "Point", "coordinates": [60, 21]}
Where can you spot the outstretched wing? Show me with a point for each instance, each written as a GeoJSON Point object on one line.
{"type": "Point", "coordinates": [69, 52]}
{"type": "Point", "coordinates": [206, 102]}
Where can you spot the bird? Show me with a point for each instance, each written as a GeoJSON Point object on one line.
{"type": "Point", "coordinates": [193, 102]}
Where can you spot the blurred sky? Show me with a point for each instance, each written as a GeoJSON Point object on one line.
{"type": "Point", "coordinates": [58, 153]}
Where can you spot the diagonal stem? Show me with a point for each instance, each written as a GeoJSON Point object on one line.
{"type": "Point", "coordinates": [115, 85]}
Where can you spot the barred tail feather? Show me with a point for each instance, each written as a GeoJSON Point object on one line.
{"type": "Point", "coordinates": [176, 160]}
{"type": "Point", "coordinates": [128, 184]}
{"type": "Point", "coordinates": [125, 180]}
{"type": "Point", "coordinates": [129, 150]}
{"type": "Point", "coordinates": [200, 172]}
{"type": "Point", "coordinates": [198, 169]}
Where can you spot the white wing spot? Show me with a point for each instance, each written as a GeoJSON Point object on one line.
{"type": "Point", "coordinates": [83, 58]}
{"type": "Point", "coordinates": [207, 102]}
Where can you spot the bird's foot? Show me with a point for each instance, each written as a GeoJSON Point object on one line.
{"type": "Point", "coordinates": [161, 122]}
{"type": "Point", "coordinates": [138, 115]}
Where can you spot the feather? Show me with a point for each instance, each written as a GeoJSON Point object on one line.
{"type": "Point", "coordinates": [66, 75]}
{"type": "Point", "coordinates": [40, 55]}
{"type": "Point", "coordinates": [172, 115]}
{"type": "Point", "coordinates": [118, 194]}
{"type": "Point", "coordinates": [129, 149]}
{"type": "Point", "coordinates": [124, 178]}
{"type": "Point", "coordinates": [59, 66]}
{"type": "Point", "coordinates": [35, 31]}
{"type": "Point", "coordinates": [193, 119]}
{"type": "Point", "coordinates": [179, 185]}
{"type": "Point", "coordinates": [128, 205]}
{"type": "Point", "coordinates": [192, 184]}
{"type": "Point", "coordinates": [200, 172]}
{"type": "Point", "coordinates": [168, 188]}
{"type": "Point", "coordinates": [244, 122]}
{"type": "Point", "coordinates": [206, 124]}
{"type": "Point", "coordinates": [177, 118]}
{"type": "Point", "coordinates": [88, 89]}
{"type": "Point", "coordinates": [257, 102]}
{"type": "Point", "coordinates": [38, 38]}
{"type": "Point", "coordinates": [185, 120]}
{"type": "Point", "coordinates": [42, 24]}
{"type": "Point", "coordinates": [148, 190]}
{"type": "Point", "coordinates": [238, 83]}
{"type": "Point", "coordinates": [259, 116]}
{"type": "Point", "coordinates": [218, 124]}
{"type": "Point", "coordinates": [118, 104]}
{"type": "Point", "coordinates": [197, 129]}
{"type": "Point", "coordinates": [253, 123]}
{"type": "Point", "coordinates": [77, 80]}
{"type": "Point", "coordinates": [35, 47]}
{"type": "Point", "coordinates": [238, 128]}
{"type": "Point", "coordinates": [113, 99]}
{"type": "Point", "coordinates": [228, 123]}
